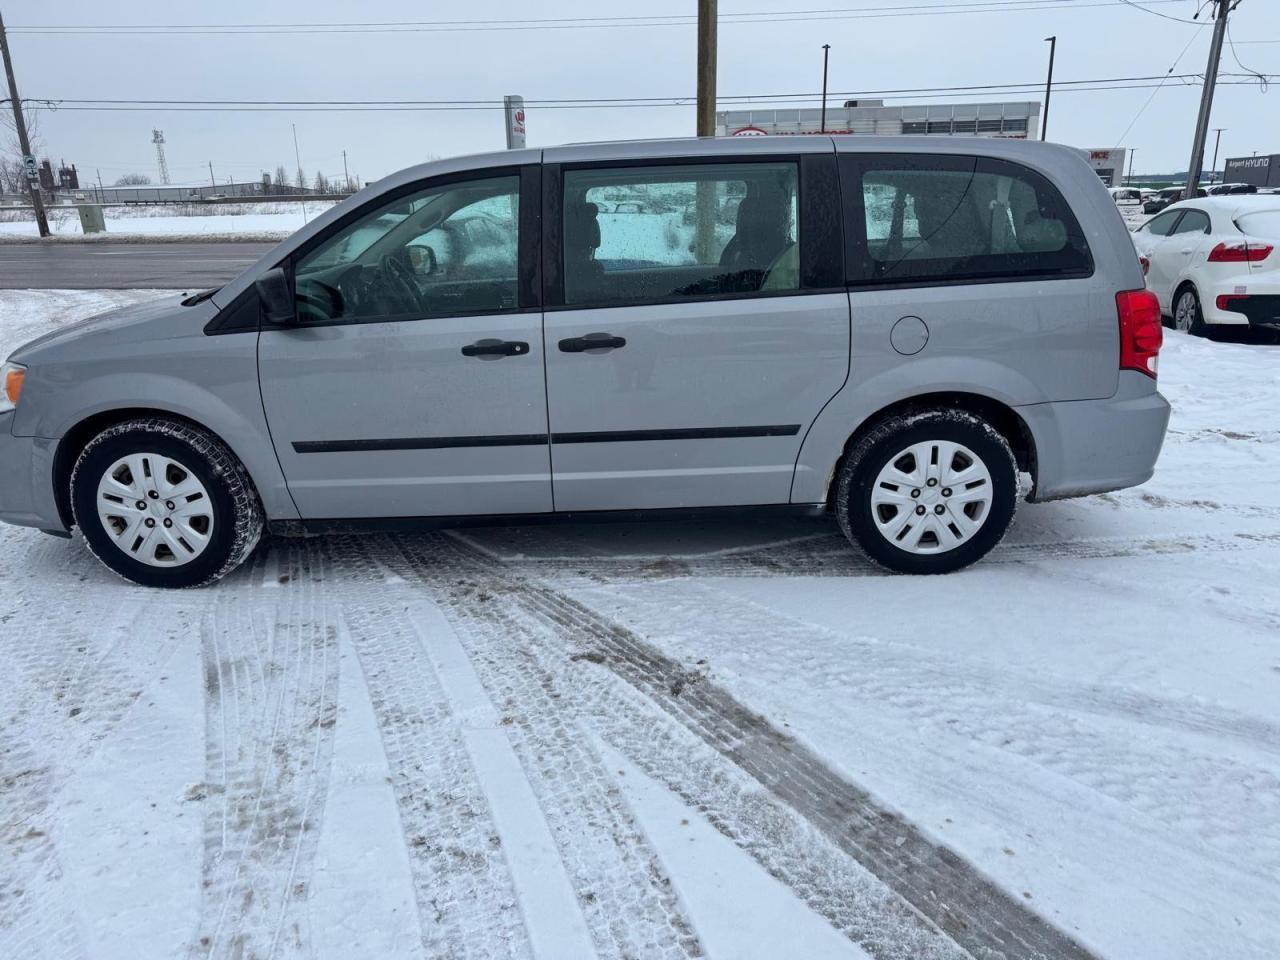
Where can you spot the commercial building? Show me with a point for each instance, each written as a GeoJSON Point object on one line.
{"type": "Point", "coordinates": [1108, 163]}
{"type": "Point", "coordinates": [1018, 119]}
{"type": "Point", "coordinates": [1260, 171]}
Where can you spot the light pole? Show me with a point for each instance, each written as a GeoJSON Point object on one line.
{"type": "Point", "coordinates": [1048, 89]}
{"type": "Point", "coordinates": [1132, 153]}
{"type": "Point", "coordinates": [826, 52]}
{"type": "Point", "coordinates": [1216, 144]}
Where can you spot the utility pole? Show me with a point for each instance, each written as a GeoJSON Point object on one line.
{"type": "Point", "coordinates": [1216, 144]}
{"type": "Point", "coordinates": [706, 68]}
{"type": "Point", "coordinates": [28, 161]}
{"type": "Point", "coordinates": [213, 183]}
{"type": "Point", "coordinates": [1048, 89]}
{"type": "Point", "coordinates": [705, 198]}
{"type": "Point", "coordinates": [346, 176]}
{"type": "Point", "coordinates": [1206, 99]}
{"type": "Point", "coordinates": [100, 193]}
{"type": "Point", "coordinates": [1132, 153]}
{"type": "Point", "coordinates": [826, 50]}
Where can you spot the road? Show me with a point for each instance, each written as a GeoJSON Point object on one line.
{"type": "Point", "coordinates": [123, 266]}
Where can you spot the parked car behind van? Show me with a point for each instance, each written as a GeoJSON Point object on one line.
{"type": "Point", "coordinates": [1213, 262]}
{"type": "Point", "coordinates": [890, 330]}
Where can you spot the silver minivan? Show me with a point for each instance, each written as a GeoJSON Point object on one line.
{"type": "Point", "coordinates": [889, 330]}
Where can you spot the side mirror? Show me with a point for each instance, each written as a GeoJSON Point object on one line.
{"type": "Point", "coordinates": [276, 296]}
{"type": "Point", "coordinates": [422, 259]}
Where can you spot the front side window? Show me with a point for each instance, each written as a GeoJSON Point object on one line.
{"type": "Point", "coordinates": [442, 251]}
{"type": "Point", "coordinates": [664, 232]}
{"type": "Point", "coordinates": [948, 219]}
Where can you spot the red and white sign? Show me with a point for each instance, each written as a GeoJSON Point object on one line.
{"type": "Point", "coordinates": [750, 132]}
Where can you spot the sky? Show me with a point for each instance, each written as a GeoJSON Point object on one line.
{"type": "Point", "coordinates": [875, 45]}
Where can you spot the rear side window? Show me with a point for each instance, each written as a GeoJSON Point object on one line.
{"type": "Point", "coordinates": [670, 232]}
{"type": "Point", "coordinates": [942, 219]}
{"type": "Point", "coordinates": [1161, 226]}
{"type": "Point", "coordinates": [1193, 221]}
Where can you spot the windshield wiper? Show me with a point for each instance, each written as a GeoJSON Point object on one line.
{"type": "Point", "coordinates": [200, 297]}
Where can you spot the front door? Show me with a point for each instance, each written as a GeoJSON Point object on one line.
{"type": "Point", "coordinates": [700, 326]}
{"type": "Point", "coordinates": [412, 384]}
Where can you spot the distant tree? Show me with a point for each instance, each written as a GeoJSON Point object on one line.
{"type": "Point", "coordinates": [321, 183]}
{"type": "Point", "coordinates": [300, 181]}
{"type": "Point", "coordinates": [133, 180]}
{"type": "Point", "coordinates": [281, 178]}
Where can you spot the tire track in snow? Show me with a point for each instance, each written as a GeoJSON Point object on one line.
{"type": "Point", "coordinates": [1056, 729]}
{"type": "Point", "coordinates": [75, 674]}
{"type": "Point", "coordinates": [622, 888]}
{"type": "Point", "coordinates": [974, 913]}
{"type": "Point", "coordinates": [833, 557]}
{"type": "Point", "coordinates": [271, 677]}
{"type": "Point", "coordinates": [466, 900]}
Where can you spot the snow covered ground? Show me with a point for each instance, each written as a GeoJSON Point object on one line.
{"type": "Point", "coordinates": [259, 221]}
{"type": "Point", "coordinates": [731, 740]}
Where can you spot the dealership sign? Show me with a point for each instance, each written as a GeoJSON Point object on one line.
{"type": "Point", "coordinates": [513, 109]}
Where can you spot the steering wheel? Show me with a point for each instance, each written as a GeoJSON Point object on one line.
{"type": "Point", "coordinates": [396, 275]}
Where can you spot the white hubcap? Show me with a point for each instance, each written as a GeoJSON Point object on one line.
{"type": "Point", "coordinates": [932, 497]}
{"type": "Point", "coordinates": [1185, 313]}
{"type": "Point", "coordinates": [155, 510]}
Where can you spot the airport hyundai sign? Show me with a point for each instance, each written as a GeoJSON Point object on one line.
{"type": "Point", "coordinates": [1259, 171]}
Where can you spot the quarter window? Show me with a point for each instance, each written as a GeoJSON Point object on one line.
{"type": "Point", "coordinates": [444, 251]}
{"type": "Point", "coordinates": [954, 219]}
{"type": "Point", "coordinates": [684, 231]}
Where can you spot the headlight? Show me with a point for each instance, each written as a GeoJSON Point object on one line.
{"type": "Point", "coordinates": [11, 377]}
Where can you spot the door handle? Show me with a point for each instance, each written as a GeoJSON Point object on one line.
{"type": "Point", "coordinates": [1188, 250]}
{"type": "Point", "coordinates": [592, 343]}
{"type": "Point", "coordinates": [495, 349]}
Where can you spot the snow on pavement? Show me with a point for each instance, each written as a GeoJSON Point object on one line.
{"type": "Point", "coordinates": [669, 740]}
{"type": "Point", "coordinates": [205, 221]}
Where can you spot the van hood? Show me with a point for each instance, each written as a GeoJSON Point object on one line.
{"type": "Point", "coordinates": [164, 317]}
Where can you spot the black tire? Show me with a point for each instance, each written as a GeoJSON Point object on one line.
{"type": "Point", "coordinates": [1198, 327]}
{"type": "Point", "coordinates": [236, 511]}
{"type": "Point", "coordinates": [886, 442]}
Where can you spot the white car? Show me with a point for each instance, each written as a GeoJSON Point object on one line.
{"type": "Point", "coordinates": [1213, 261]}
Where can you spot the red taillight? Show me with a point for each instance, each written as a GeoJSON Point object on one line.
{"type": "Point", "coordinates": [1141, 332]}
{"type": "Point", "coordinates": [1240, 251]}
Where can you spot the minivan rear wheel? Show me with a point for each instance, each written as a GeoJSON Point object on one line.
{"type": "Point", "coordinates": [928, 492]}
{"type": "Point", "coordinates": [164, 503]}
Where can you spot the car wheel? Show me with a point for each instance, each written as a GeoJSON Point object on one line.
{"type": "Point", "coordinates": [928, 492]}
{"type": "Point", "coordinates": [1187, 315]}
{"type": "Point", "coordinates": [164, 503]}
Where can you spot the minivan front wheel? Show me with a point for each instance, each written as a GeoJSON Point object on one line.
{"type": "Point", "coordinates": [164, 503]}
{"type": "Point", "coordinates": [928, 492]}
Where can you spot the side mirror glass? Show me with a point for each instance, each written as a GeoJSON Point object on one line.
{"type": "Point", "coordinates": [276, 296]}
{"type": "Point", "coordinates": [422, 259]}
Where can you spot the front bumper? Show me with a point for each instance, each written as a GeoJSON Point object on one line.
{"type": "Point", "coordinates": [26, 480]}
{"type": "Point", "coordinates": [1092, 446]}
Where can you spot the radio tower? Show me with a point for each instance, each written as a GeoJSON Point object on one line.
{"type": "Point", "coordinates": [157, 137]}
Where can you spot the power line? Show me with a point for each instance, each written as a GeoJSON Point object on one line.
{"type": "Point", "coordinates": [675, 102]}
{"type": "Point", "coordinates": [1168, 75]}
{"type": "Point", "coordinates": [564, 23]}
{"type": "Point", "coordinates": [1157, 13]}
{"type": "Point", "coordinates": [1108, 83]}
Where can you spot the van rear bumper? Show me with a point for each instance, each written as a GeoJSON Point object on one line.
{"type": "Point", "coordinates": [1092, 446]}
